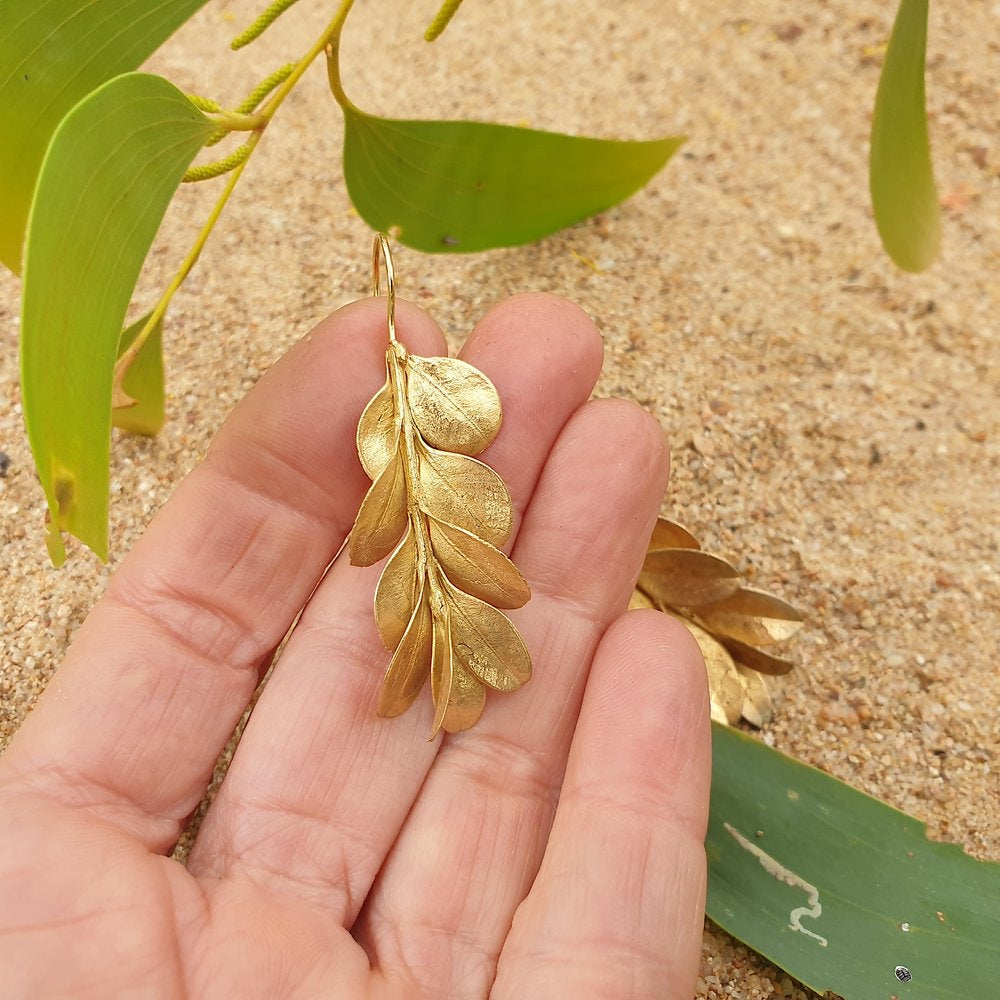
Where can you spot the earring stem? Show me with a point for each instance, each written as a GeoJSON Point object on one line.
{"type": "Point", "coordinates": [381, 249]}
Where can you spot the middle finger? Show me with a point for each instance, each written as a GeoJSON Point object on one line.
{"type": "Point", "coordinates": [472, 843]}
{"type": "Point", "coordinates": [319, 787]}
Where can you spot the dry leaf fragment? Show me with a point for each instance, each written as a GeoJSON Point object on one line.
{"type": "Point", "coordinates": [455, 406]}
{"type": "Point", "coordinates": [477, 567]}
{"type": "Point", "coordinates": [706, 594]}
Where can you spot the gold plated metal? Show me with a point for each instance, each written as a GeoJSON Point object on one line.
{"type": "Point", "coordinates": [729, 621]}
{"type": "Point", "coordinates": [441, 517]}
{"type": "Point", "coordinates": [380, 248]}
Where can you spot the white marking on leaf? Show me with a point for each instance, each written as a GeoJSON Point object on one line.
{"type": "Point", "coordinates": [783, 874]}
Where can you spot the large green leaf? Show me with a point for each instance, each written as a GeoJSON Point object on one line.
{"type": "Point", "coordinates": [462, 186]}
{"type": "Point", "coordinates": [109, 173]}
{"type": "Point", "coordinates": [901, 173]}
{"type": "Point", "coordinates": [839, 889]}
{"type": "Point", "coordinates": [52, 54]}
{"type": "Point", "coordinates": [143, 382]}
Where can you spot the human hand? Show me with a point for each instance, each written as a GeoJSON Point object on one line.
{"type": "Point", "coordinates": [555, 850]}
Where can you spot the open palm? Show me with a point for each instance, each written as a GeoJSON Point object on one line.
{"type": "Point", "coordinates": [555, 850]}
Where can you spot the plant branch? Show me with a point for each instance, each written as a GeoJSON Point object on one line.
{"type": "Point", "coordinates": [328, 36]}
{"type": "Point", "coordinates": [333, 74]}
{"type": "Point", "coordinates": [255, 124]}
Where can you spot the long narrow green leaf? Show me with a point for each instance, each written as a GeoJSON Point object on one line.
{"type": "Point", "coordinates": [901, 173]}
{"type": "Point", "coordinates": [457, 186]}
{"type": "Point", "coordinates": [143, 382]}
{"type": "Point", "coordinates": [840, 890]}
{"type": "Point", "coordinates": [52, 54]}
{"type": "Point", "coordinates": [110, 171]}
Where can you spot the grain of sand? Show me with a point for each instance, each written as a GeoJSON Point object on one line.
{"type": "Point", "coordinates": [835, 422]}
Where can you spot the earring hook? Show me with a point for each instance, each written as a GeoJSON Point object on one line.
{"type": "Point", "coordinates": [381, 248]}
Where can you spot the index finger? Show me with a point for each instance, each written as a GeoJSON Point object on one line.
{"type": "Point", "coordinates": [167, 661]}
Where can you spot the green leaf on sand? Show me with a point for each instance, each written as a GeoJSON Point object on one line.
{"type": "Point", "coordinates": [901, 173]}
{"type": "Point", "coordinates": [840, 890]}
{"type": "Point", "coordinates": [52, 54]}
{"type": "Point", "coordinates": [110, 172]}
{"type": "Point", "coordinates": [459, 186]}
{"type": "Point", "coordinates": [143, 382]}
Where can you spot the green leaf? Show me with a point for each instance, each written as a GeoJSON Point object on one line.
{"type": "Point", "coordinates": [901, 173]}
{"type": "Point", "coordinates": [143, 382]}
{"type": "Point", "coordinates": [107, 178]}
{"type": "Point", "coordinates": [839, 889]}
{"type": "Point", "coordinates": [52, 54]}
{"type": "Point", "coordinates": [462, 186]}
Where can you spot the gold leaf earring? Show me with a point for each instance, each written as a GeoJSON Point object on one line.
{"type": "Point", "coordinates": [443, 516]}
{"type": "Point", "coordinates": [727, 619]}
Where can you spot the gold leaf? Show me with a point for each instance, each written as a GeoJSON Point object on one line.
{"type": "Point", "coordinates": [640, 600]}
{"type": "Point", "coordinates": [441, 671]}
{"type": "Point", "coordinates": [455, 407]}
{"type": "Point", "coordinates": [724, 683]}
{"type": "Point", "coordinates": [466, 701]}
{"type": "Point", "coordinates": [409, 664]}
{"type": "Point", "coordinates": [757, 659]}
{"type": "Point", "coordinates": [705, 593]}
{"type": "Point", "coordinates": [398, 592]}
{"type": "Point", "coordinates": [687, 578]}
{"type": "Point", "coordinates": [751, 616]}
{"type": "Point", "coordinates": [486, 643]}
{"type": "Point", "coordinates": [378, 432]}
{"type": "Point", "coordinates": [466, 493]}
{"type": "Point", "coordinates": [756, 708]}
{"type": "Point", "coordinates": [668, 535]}
{"type": "Point", "coordinates": [477, 567]}
{"type": "Point", "coordinates": [382, 517]}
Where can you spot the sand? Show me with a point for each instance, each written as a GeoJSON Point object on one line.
{"type": "Point", "coordinates": [835, 422]}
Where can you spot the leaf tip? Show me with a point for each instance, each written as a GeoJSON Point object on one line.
{"type": "Point", "coordinates": [53, 541]}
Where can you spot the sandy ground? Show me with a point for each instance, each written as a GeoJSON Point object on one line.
{"type": "Point", "coordinates": [835, 422]}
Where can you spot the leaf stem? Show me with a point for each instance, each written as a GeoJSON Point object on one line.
{"type": "Point", "coordinates": [255, 124]}
{"type": "Point", "coordinates": [333, 74]}
{"type": "Point", "coordinates": [236, 121]}
{"type": "Point", "coordinates": [428, 570]}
